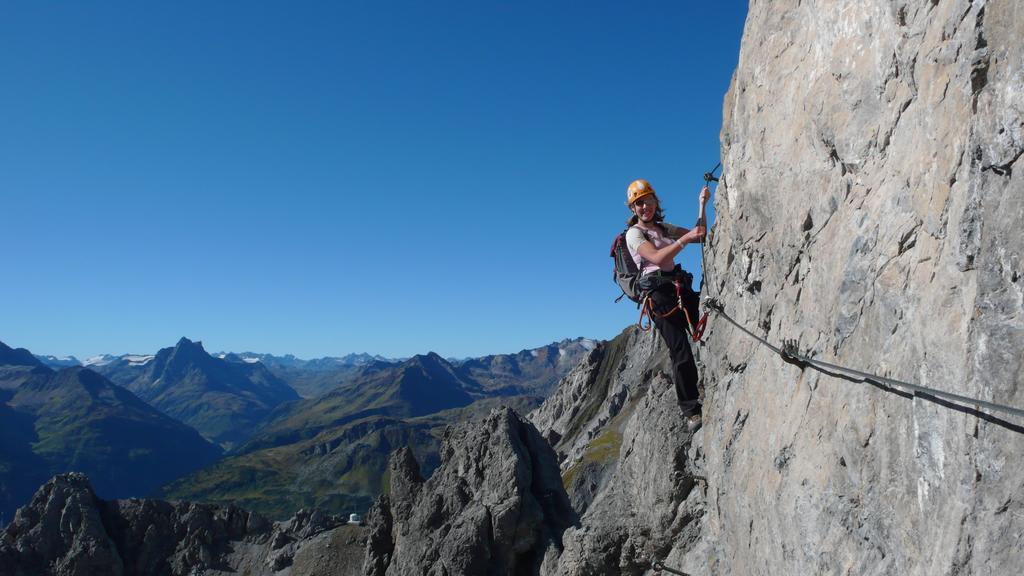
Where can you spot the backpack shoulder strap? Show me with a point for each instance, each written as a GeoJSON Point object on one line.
{"type": "Point", "coordinates": [642, 231]}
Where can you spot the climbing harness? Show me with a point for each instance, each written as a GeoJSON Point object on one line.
{"type": "Point", "coordinates": [789, 353]}
{"type": "Point", "coordinates": [647, 308]}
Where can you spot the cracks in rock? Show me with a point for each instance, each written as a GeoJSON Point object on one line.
{"type": "Point", "coordinates": [753, 286]}
{"type": "Point", "coordinates": [845, 167]}
{"type": "Point", "coordinates": [808, 223]}
{"type": "Point", "coordinates": [766, 322]}
{"type": "Point", "coordinates": [909, 239]}
{"type": "Point", "coordinates": [1006, 168]}
{"type": "Point", "coordinates": [970, 224]}
{"type": "Point", "coordinates": [979, 27]}
{"type": "Point", "coordinates": [734, 370]}
{"type": "Point", "coordinates": [782, 459]}
{"type": "Point", "coordinates": [966, 12]}
{"type": "Point", "coordinates": [737, 428]}
{"type": "Point", "coordinates": [887, 137]}
{"type": "Point", "coordinates": [742, 366]}
{"type": "Point", "coordinates": [965, 548]}
{"type": "Point", "coordinates": [980, 62]}
{"type": "Point", "coordinates": [943, 217]}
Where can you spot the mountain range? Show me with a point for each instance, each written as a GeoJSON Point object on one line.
{"type": "Point", "coordinates": [323, 364]}
{"type": "Point", "coordinates": [75, 419]}
{"type": "Point", "coordinates": [223, 400]}
{"type": "Point", "coordinates": [284, 452]}
{"type": "Point", "coordinates": [332, 451]}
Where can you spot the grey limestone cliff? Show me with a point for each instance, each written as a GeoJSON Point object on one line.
{"type": "Point", "coordinates": [871, 211]}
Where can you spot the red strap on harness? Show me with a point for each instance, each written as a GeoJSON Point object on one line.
{"type": "Point", "coordinates": [695, 331]}
{"type": "Point", "coordinates": [698, 331]}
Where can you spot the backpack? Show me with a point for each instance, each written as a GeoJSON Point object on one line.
{"type": "Point", "coordinates": [625, 273]}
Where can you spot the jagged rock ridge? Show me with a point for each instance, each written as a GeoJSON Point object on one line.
{"type": "Point", "coordinates": [66, 530]}
{"type": "Point", "coordinates": [495, 505]}
{"type": "Point", "coordinates": [628, 461]}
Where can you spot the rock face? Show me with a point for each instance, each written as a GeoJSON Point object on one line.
{"type": "Point", "coordinates": [495, 505]}
{"type": "Point", "coordinates": [629, 463]}
{"type": "Point", "coordinates": [871, 211]}
{"type": "Point", "coordinates": [66, 530]}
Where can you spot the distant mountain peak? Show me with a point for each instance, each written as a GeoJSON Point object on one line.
{"type": "Point", "coordinates": [99, 360]}
{"type": "Point", "coordinates": [58, 362]}
{"type": "Point", "coordinates": [17, 357]}
{"type": "Point", "coordinates": [186, 343]}
{"type": "Point", "coordinates": [429, 356]}
{"type": "Point", "coordinates": [188, 351]}
{"type": "Point", "coordinates": [430, 361]}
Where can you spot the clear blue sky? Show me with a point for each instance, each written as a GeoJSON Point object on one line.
{"type": "Point", "coordinates": [319, 178]}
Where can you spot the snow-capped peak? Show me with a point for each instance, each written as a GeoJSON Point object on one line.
{"type": "Point", "coordinates": [100, 360]}
{"type": "Point", "coordinates": [137, 360]}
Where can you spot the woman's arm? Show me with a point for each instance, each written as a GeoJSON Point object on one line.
{"type": "Point", "coordinates": [662, 256]}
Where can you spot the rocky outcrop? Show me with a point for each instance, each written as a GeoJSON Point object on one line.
{"type": "Point", "coordinates": [629, 463]}
{"type": "Point", "coordinates": [66, 530]}
{"type": "Point", "coordinates": [871, 211]}
{"type": "Point", "coordinates": [495, 505]}
{"type": "Point", "coordinates": [647, 509]}
{"type": "Point", "coordinates": [594, 393]}
{"type": "Point", "coordinates": [60, 532]}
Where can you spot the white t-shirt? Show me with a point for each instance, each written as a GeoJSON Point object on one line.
{"type": "Point", "coordinates": [635, 237]}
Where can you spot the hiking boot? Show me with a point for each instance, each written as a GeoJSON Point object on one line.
{"type": "Point", "coordinates": [692, 415]}
{"type": "Point", "coordinates": [693, 422]}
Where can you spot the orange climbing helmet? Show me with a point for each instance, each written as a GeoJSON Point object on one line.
{"type": "Point", "coordinates": [637, 190]}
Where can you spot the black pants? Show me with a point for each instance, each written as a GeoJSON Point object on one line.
{"type": "Point", "coordinates": [673, 331]}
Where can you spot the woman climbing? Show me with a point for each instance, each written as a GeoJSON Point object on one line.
{"type": "Point", "coordinates": [653, 244]}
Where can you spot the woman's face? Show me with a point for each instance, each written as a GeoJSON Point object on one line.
{"type": "Point", "coordinates": [645, 207]}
